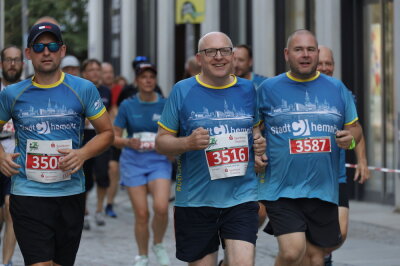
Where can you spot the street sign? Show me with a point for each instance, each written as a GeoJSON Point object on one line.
{"type": "Point", "coordinates": [189, 11]}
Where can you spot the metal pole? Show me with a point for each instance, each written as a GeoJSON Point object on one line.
{"type": "Point", "coordinates": [24, 19]}
{"type": "Point", "coordinates": [2, 21]}
{"type": "Point", "coordinates": [189, 32]}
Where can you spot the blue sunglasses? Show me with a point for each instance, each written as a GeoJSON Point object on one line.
{"type": "Point", "coordinates": [53, 47]}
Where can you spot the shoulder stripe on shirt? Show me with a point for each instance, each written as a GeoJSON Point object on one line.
{"type": "Point", "coordinates": [351, 122]}
{"type": "Point", "coordinates": [98, 114]}
{"type": "Point", "coordinates": [166, 128]}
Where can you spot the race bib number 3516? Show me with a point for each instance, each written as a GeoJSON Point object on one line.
{"type": "Point", "coordinates": [310, 145]}
{"type": "Point", "coordinates": [228, 155]}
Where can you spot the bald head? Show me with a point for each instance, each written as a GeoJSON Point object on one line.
{"type": "Point", "coordinates": [209, 37]}
{"type": "Point", "coordinates": [215, 58]}
{"type": "Point", "coordinates": [326, 63]}
{"type": "Point", "coordinates": [192, 66]}
{"type": "Point", "coordinates": [297, 33]}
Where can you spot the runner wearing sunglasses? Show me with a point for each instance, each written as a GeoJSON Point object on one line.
{"type": "Point", "coordinates": [49, 111]}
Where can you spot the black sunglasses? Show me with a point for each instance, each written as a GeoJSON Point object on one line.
{"type": "Point", "coordinates": [53, 47]}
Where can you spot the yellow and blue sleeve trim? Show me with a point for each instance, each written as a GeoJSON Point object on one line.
{"type": "Point", "coordinates": [351, 122]}
{"type": "Point", "coordinates": [98, 114]}
{"type": "Point", "coordinates": [166, 128]}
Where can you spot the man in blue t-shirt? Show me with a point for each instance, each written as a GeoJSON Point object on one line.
{"type": "Point", "coordinates": [326, 65]}
{"type": "Point", "coordinates": [309, 117]}
{"type": "Point", "coordinates": [48, 112]}
{"type": "Point", "coordinates": [243, 62]}
{"type": "Point", "coordinates": [211, 122]}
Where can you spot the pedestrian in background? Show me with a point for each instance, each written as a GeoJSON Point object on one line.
{"type": "Point", "coordinates": [143, 170]}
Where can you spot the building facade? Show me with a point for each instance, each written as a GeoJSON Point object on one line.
{"type": "Point", "coordinates": [361, 34]}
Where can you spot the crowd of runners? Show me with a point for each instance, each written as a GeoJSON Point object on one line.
{"type": "Point", "coordinates": [241, 147]}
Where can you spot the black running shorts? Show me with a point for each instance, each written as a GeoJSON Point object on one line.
{"type": "Point", "coordinates": [318, 219]}
{"type": "Point", "coordinates": [48, 228]}
{"type": "Point", "coordinates": [200, 230]}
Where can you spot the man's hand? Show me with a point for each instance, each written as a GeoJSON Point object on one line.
{"type": "Point", "coordinates": [133, 143]}
{"type": "Point", "coordinates": [198, 140]}
{"type": "Point", "coordinates": [72, 161]}
{"type": "Point", "coordinates": [260, 162]}
{"type": "Point", "coordinates": [259, 144]}
{"type": "Point", "coordinates": [362, 172]}
{"type": "Point", "coordinates": [343, 139]}
{"type": "Point", "coordinates": [7, 165]}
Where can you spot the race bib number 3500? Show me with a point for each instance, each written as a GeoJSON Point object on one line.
{"type": "Point", "coordinates": [42, 160]}
{"type": "Point", "coordinates": [228, 155]}
{"type": "Point", "coordinates": [310, 145]}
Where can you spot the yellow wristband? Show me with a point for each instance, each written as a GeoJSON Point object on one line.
{"type": "Point", "coordinates": [352, 144]}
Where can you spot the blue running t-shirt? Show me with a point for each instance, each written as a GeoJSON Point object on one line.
{"type": "Point", "coordinates": [140, 117]}
{"type": "Point", "coordinates": [48, 113]}
{"type": "Point", "coordinates": [301, 118]}
{"type": "Point", "coordinates": [223, 111]}
{"type": "Point", "coordinates": [257, 79]}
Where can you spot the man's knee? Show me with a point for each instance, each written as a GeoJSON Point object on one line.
{"type": "Point", "coordinates": [292, 256]}
{"type": "Point", "coordinates": [292, 248]}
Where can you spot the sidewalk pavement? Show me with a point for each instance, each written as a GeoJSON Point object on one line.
{"type": "Point", "coordinates": [374, 239]}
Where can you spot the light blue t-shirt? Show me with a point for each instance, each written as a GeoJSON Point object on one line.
{"type": "Point", "coordinates": [220, 110]}
{"type": "Point", "coordinates": [301, 118]}
{"type": "Point", "coordinates": [257, 79]}
{"type": "Point", "coordinates": [49, 112]}
{"type": "Point", "coordinates": [138, 116]}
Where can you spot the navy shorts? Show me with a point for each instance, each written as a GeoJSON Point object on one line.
{"type": "Point", "coordinates": [5, 187]}
{"type": "Point", "coordinates": [200, 230]}
{"type": "Point", "coordinates": [318, 219]}
{"type": "Point", "coordinates": [48, 228]}
{"type": "Point", "coordinates": [115, 154]}
{"type": "Point", "coordinates": [343, 195]}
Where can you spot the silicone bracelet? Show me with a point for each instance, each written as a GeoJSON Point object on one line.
{"type": "Point", "coordinates": [352, 144]}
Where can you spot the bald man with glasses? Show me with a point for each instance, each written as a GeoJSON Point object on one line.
{"type": "Point", "coordinates": [210, 121]}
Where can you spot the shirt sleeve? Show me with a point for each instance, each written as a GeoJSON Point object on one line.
{"type": "Point", "coordinates": [94, 107]}
{"type": "Point", "coordinates": [5, 107]}
{"type": "Point", "coordinates": [120, 119]}
{"type": "Point", "coordinates": [260, 101]}
{"type": "Point", "coordinates": [256, 110]}
{"type": "Point", "coordinates": [351, 115]}
{"type": "Point", "coordinates": [170, 116]}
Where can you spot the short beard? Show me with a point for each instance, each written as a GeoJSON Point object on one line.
{"type": "Point", "coordinates": [12, 78]}
{"type": "Point", "coordinates": [46, 72]}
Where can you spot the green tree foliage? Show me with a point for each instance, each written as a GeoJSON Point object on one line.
{"type": "Point", "coordinates": [70, 14]}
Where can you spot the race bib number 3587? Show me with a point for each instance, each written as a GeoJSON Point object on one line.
{"type": "Point", "coordinates": [310, 145]}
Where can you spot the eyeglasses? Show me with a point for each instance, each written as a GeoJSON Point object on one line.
{"type": "Point", "coordinates": [212, 52]}
{"type": "Point", "coordinates": [53, 47]}
{"type": "Point", "coordinates": [15, 60]}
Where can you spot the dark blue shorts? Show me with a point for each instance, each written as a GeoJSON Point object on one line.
{"type": "Point", "coordinates": [5, 187]}
{"type": "Point", "coordinates": [48, 228]}
{"type": "Point", "coordinates": [200, 230]}
{"type": "Point", "coordinates": [318, 219]}
{"type": "Point", "coordinates": [343, 195]}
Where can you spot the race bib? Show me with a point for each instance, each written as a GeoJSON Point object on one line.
{"type": "Point", "coordinates": [8, 130]}
{"type": "Point", "coordinates": [147, 140]}
{"type": "Point", "coordinates": [42, 160]}
{"type": "Point", "coordinates": [310, 145]}
{"type": "Point", "coordinates": [228, 155]}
